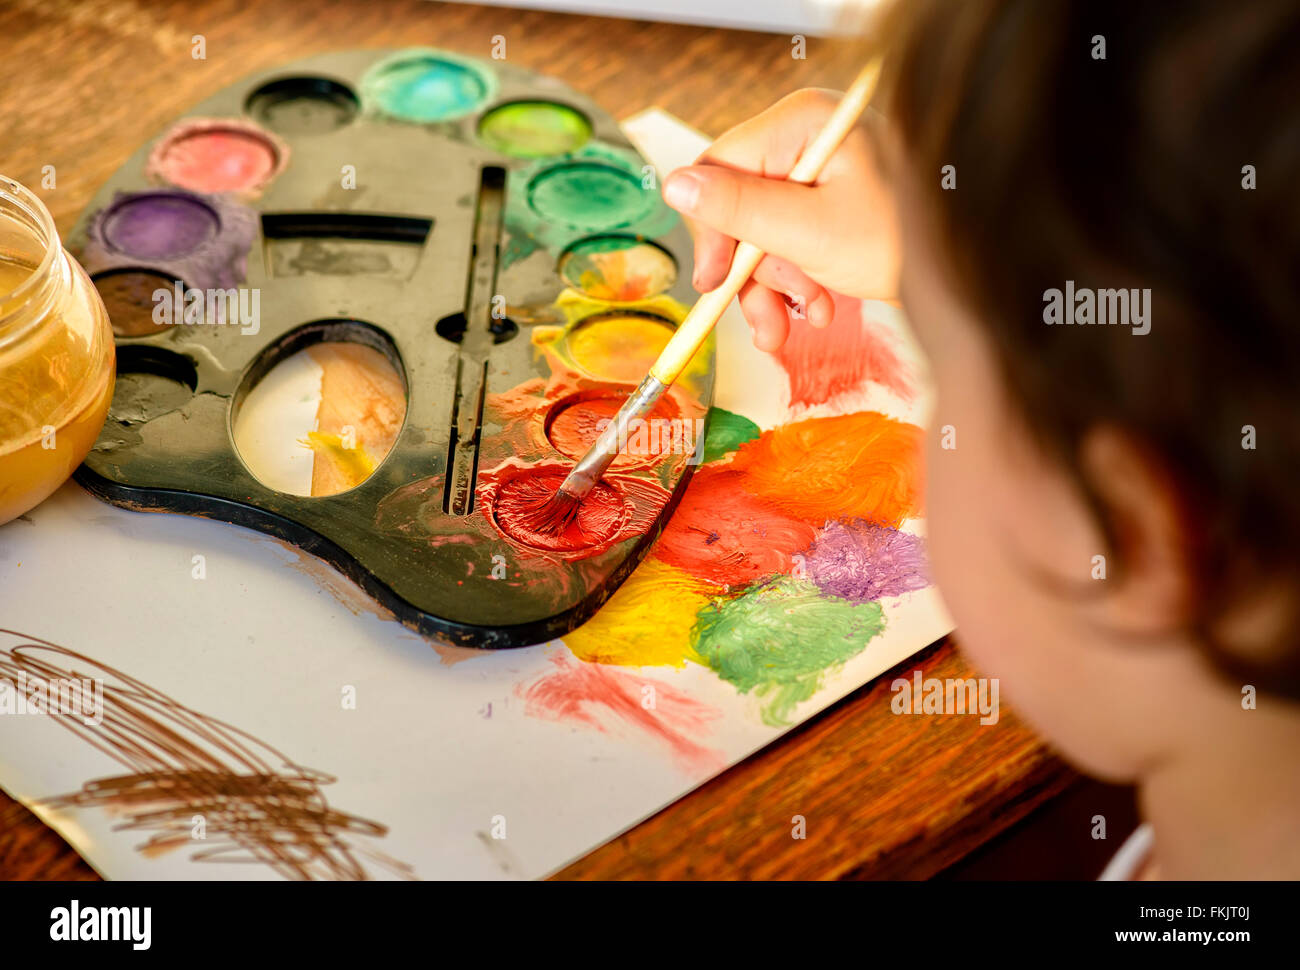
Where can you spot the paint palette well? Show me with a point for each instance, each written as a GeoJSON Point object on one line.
{"type": "Point", "coordinates": [422, 280]}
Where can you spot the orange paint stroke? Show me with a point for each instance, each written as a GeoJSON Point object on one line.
{"type": "Point", "coordinates": [863, 465]}
{"type": "Point", "coordinates": [613, 701]}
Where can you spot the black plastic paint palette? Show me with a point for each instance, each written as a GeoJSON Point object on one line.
{"type": "Point", "coordinates": [484, 232]}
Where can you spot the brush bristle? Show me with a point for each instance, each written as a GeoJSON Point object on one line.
{"type": "Point", "coordinates": [556, 514]}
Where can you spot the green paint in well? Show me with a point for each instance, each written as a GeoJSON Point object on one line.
{"type": "Point", "coordinates": [602, 245]}
{"type": "Point", "coordinates": [727, 432]}
{"type": "Point", "coordinates": [534, 129]}
{"type": "Point", "coordinates": [778, 639]}
{"type": "Point", "coordinates": [590, 196]}
{"type": "Point", "coordinates": [599, 189]}
{"type": "Point", "coordinates": [425, 87]}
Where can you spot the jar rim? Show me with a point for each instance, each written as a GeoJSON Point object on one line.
{"type": "Point", "coordinates": [17, 195]}
{"type": "Point", "coordinates": [23, 307]}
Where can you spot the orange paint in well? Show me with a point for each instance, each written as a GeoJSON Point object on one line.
{"type": "Point", "coordinates": [575, 425]}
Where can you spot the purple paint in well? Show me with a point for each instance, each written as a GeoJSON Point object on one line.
{"type": "Point", "coordinates": [858, 561]}
{"type": "Point", "coordinates": [202, 240]}
{"type": "Point", "coordinates": [159, 225]}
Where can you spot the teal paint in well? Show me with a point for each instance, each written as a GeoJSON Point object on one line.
{"type": "Point", "coordinates": [424, 87]}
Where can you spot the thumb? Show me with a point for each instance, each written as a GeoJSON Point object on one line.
{"type": "Point", "coordinates": [778, 216]}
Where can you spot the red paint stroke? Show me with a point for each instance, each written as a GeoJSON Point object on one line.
{"type": "Point", "coordinates": [609, 699]}
{"type": "Point", "coordinates": [863, 465]}
{"type": "Point", "coordinates": [827, 363]}
{"type": "Point", "coordinates": [722, 534]}
{"type": "Point", "coordinates": [512, 495]}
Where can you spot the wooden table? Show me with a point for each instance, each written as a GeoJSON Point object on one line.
{"type": "Point", "coordinates": [86, 82]}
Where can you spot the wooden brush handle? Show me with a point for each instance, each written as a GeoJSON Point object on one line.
{"type": "Point", "coordinates": [695, 329]}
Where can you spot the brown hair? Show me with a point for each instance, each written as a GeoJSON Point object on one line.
{"type": "Point", "coordinates": [1129, 171]}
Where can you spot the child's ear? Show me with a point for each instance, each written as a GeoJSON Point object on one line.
{"type": "Point", "coordinates": [1154, 588]}
{"type": "Point", "coordinates": [1151, 587]}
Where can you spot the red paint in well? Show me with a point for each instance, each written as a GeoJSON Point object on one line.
{"type": "Point", "coordinates": [514, 496]}
{"type": "Point", "coordinates": [520, 499]}
{"type": "Point", "coordinates": [208, 155]}
{"type": "Point", "coordinates": [840, 359]}
{"type": "Point", "coordinates": [612, 700]}
{"type": "Point", "coordinates": [725, 535]}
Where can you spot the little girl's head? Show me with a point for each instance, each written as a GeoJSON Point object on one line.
{"type": "Point", "coordinates": [1100, 210]}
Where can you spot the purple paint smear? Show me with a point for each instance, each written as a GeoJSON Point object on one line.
{"type": "Point", "coordinates": [201, 240]}
{"type": "Point", "coordinates": [858, 561]}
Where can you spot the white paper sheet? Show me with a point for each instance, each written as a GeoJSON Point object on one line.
{"type": "Point", "coordinates": [438, 747]}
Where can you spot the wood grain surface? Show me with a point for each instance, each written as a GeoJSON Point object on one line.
{"type": "Point", "coordinates": [86, 82]}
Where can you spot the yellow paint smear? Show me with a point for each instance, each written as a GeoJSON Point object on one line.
{"type": "Point", "coordinates": [646, 623]}
{"type": "Point", "coordinates": [349, 466]}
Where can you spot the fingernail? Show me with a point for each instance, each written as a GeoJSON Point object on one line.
{"type": "Point", "coordinates": [682, 191]}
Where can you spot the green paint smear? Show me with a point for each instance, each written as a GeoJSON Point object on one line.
{"type": "Point", "coordinates": [517, 248]}
{"type": "Point", "coordinates": [534, 129]}
{"type": "Point", "coordinates": [779, 638]}
{"type": "Point", "coordinates": [425, 86]}
{"type": "Point", "coordinates": [727, 432]}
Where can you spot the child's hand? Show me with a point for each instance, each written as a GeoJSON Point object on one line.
{"type": "Point", "coordinates": [838, 234]}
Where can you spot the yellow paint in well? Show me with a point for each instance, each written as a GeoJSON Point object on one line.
{"type": "Point", "coordinates": [614, 342]}
{"type": "Point", "coordinates": [618, 346]}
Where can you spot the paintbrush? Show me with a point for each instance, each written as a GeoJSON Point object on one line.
{"type": "Point", "coordinates": [558, 512]}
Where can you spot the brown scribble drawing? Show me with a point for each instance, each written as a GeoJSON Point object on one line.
{"type": "Point", "coordinates": [257, 805]}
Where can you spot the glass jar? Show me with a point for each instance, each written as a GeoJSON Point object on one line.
{"type": "Point", "coordinates": [56, 355]}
